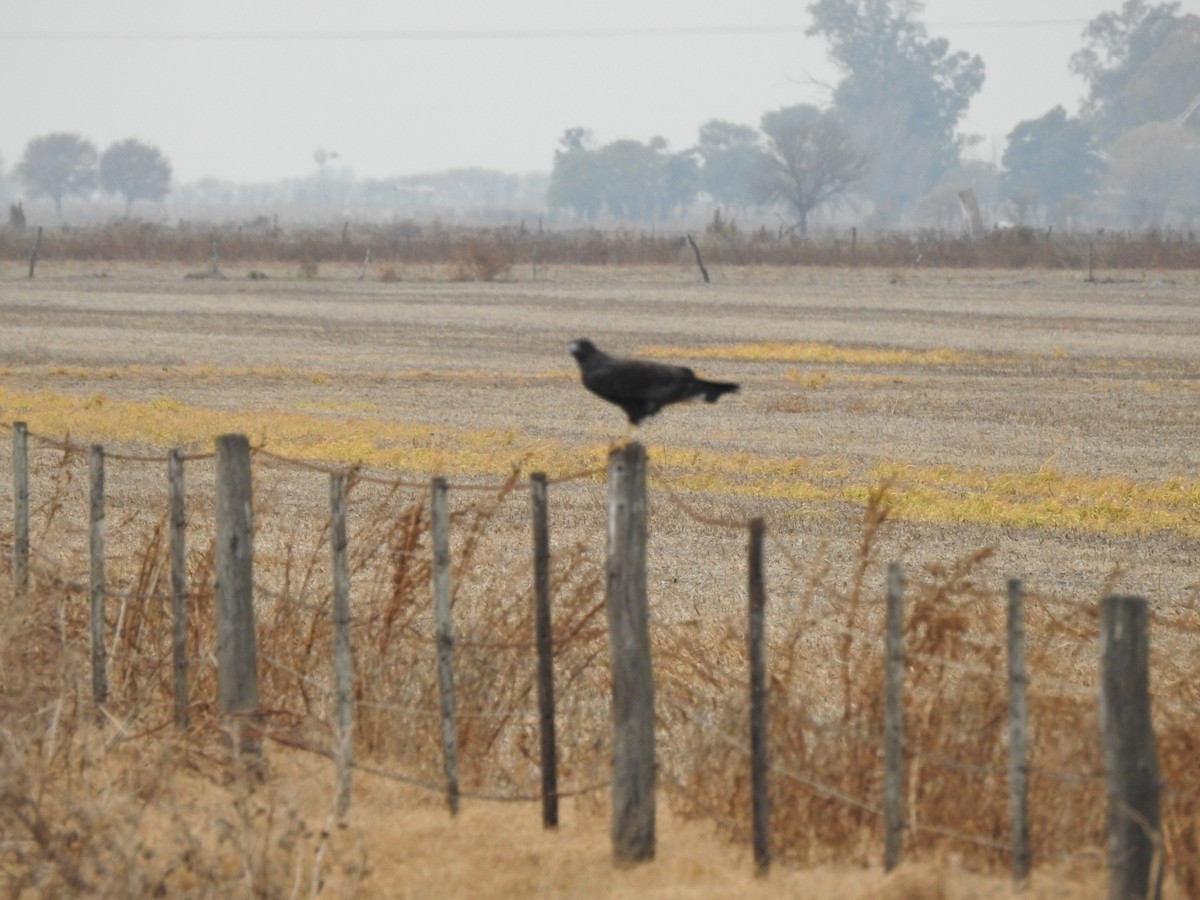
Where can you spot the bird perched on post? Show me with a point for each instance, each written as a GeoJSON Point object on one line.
{"type": "Point", "coordinates": [639, 387]}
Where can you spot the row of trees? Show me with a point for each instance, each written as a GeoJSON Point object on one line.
{"type": "Point", "coordinates": [62, 164]}
{"type": "Point", "coordinates": [888, 141]}
{"type": "Point", "coordinates": [890, 138]}
{"type": "Point", "coordinates": [1137, 137]}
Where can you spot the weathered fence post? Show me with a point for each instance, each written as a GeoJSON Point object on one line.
{"type": "Point", "coordinates": [343, 662]}
{"type": "Point", "coordinates": [699, 261]}
{"type": "Point", "coordinates": [20, 560]}
{"type": "Point", "coordinates": [545, 647]}
{"type": "Point", "coordinates": [756, 639]}
{"type": "Point", "coordinates": [439, 512]}
{"type": "Point", "coordinates": [237, 651]}
{"type": "Point", "coordinates": [179, 604]}
{"type": "Point", "coordinates": [633, 804]}
{"type": "Point", "coordinates": [1130, 758]}
{"type": "Point", "coordinates": [96, 571]}
{"type": "Point", "coordinates": [893, 721]}
{"type": "Point", "coordinates": [1018, 732]}
{"type": "Point", "coordinates": [33, 256]}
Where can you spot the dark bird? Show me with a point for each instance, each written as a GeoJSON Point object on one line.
{"type": "Point", "coordinates": [641, 388]}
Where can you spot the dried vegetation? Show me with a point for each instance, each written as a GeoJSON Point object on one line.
{"type": "Point", "coordinates": [116, 802]}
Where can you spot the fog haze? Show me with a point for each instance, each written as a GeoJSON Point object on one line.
{"type": "Point", "coordinates": [249, 92]}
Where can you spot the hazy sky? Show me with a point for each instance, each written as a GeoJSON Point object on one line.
{"type": "Point", "coordinates": [249, 90]}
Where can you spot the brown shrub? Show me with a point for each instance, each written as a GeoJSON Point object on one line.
{"type": "Point", "coordinates": [478, 259]}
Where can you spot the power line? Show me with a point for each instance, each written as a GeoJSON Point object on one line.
{"type": "Point", "coordinates": [483, 34]}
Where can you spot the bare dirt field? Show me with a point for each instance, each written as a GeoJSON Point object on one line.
{"type": "Point", "coordinates": [1050, 419]}
{"type": "Point", "coordinates": [1052, 374]}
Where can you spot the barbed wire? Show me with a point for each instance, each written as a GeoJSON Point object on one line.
{"type": "Point", "coordinates": [578, 475]}
{"type": "Point", "coordinates": [689, 510]}
{"type": "Point", "coordinates": [1071, 779]}
{"type": "Point", "coordinates": [428, 785]}
{"type": "Point", "coordinates": [1176, 625]}
{"type": "Point", "coordinates": [744, 748]}
{"type": "Point", "coordinates": [952, 834]}
{"type": "Point", "coordinates": [786, 553]}
{"type": "Point", "coordinates": [671, 780]}
{"type": "Point", "coordinates": [68, 446]}
{"type": "Point", "coordinates": [945, 762]}
{"type": "Point", "coordinates": [953, 664]}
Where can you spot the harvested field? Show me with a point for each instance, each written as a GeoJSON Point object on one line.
{"type": "Point", "coordinates": [1047, 420]}
{"type": "Point", "coordinates": [959, 382]}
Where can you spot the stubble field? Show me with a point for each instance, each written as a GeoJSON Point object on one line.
{"type": "Point", "coordinates": [1052, 421]}
{"type": "Point", "coordinates": [953, 385]}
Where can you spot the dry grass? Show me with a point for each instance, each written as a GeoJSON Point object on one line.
{"type": "Point", "coordinates": [483, 254]}
{"type": "Point", "coordinates": [1047, 498]}
{"type": "Point", "coordinates": [1053, 444]}
{"type": "Point", "coordinates": [115, 803]}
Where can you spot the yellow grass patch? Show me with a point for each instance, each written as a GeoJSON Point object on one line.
{"type": "Point", "coordinates": [348, 434]}
{"type": "Point", "coordinates": [814, 352]}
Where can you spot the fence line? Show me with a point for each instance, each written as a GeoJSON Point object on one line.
{"type": "Point", "coordinates": [353, 473]}
{"type": "Point", "coordinates": [96, 558]}
{"type": "Point", "coordinates": [440, 526]}
{"type": "Point", "coordinates": [633, 734]}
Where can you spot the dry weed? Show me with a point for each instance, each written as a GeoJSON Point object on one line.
{"type": "Point", "coordinates": [125, 805]}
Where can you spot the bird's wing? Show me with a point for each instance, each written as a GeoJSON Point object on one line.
{"type": "Point", "coordinates": [617, 379]}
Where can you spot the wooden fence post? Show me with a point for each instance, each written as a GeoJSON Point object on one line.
{"type": "Point", "coordinates": [1130, 758]}
{"type": "Point", "coordinates": [96, 571]}
{"type": "Point", "coordinates": [237, 650]}
{"type": "Point", "coordinates": [1018, 732]}
{"type": "Point", "coordinates": [545, 647]}
{"type": "Point", "coordinates": [633, 803]}
{"type": "Point", "coordinates": [893, 721]}
{"type": "Point", "coordinates": [179, 604]}
{"type": "Point", "coordinates": [33, 256]}
{"type": "Point", "coordinates": [20, 560]}
{"type": "Point", "coordinates": [343, 662]}
{"type": "Point", "coordinates": [440, 515]}
{"type": "Point", "coordinates": [756, 639]}
{"type": "Point", "coordinates": [699, 261]}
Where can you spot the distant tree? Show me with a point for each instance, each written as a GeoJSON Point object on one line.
{"type": "Point", "coordinates": [629, 179]}
{"type": "Point", "coordinates": [577, 138]}
{"type": "Point", "coordinates": [680, 182]}
{"type": "Point", "coordinates": [1155, 168]}
{"type": "Point", "coordinates": [136, 171]}
{"type": "Point", "coordinates": [575, 182]}
{"type": "Point", "coordinates": [58, 165]}
{"type": "Point", "coordinates": [811, 159]}
{"type": "Point", "coordinates": [1141, 63]}
{"type": "Point", "coordinates": [730, 155]}
{"type": "Point", "coordinates": [631, 174]}
{"type": "Point", "coordinates": [902, 92]}
{"type": "Point", "coordinates": [5, 187]}
{"type": "Point", "coordinates": [1050, 159]}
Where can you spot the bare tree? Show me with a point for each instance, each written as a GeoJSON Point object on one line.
{"type": "Point", "coordinates": [811, 159]}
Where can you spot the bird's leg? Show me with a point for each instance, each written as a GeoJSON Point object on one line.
{"type": "Point", "coordinates": [625, 440]}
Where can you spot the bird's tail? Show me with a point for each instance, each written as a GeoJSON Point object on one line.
{"type": "Point", "coordinates": [714, 389]}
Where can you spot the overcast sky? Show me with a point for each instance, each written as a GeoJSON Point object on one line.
{"type": "Point", "coordinates": [248, 90]}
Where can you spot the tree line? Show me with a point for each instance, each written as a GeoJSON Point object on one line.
{"type": "Point", "coordinates": [889, 142]}
{"type": "Point", "coordinates": [61, 164]}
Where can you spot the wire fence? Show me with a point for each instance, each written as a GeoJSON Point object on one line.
{"type": "Point", "coordinates": [826, 659]}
